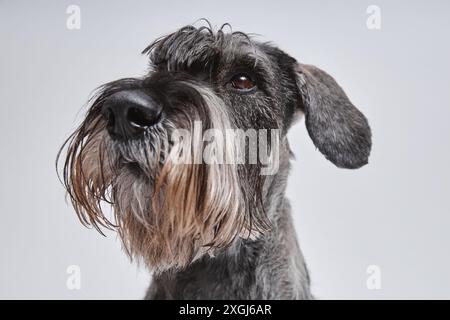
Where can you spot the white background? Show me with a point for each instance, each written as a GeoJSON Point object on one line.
{"type": "Point", "coordinates": [393, 213]}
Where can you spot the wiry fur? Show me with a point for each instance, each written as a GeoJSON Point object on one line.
{"type": "Point", "coordinates": [169, 213]}
{"type": "Point", "coordinates": [210, 230]}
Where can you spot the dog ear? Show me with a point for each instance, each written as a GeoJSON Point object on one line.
{"type": "Point", "coordinates": [339, 130]}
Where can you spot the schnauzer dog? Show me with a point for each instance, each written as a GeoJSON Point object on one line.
{"type": "Point", "coordinates": [208, 229]}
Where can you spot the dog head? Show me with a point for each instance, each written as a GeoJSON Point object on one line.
{"type": "Point", "coordinates": [178, 152]}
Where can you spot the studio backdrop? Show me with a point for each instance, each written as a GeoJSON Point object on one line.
{"type": "Point", "coordinates": [380, 232]}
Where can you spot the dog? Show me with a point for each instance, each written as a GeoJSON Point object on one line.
{"type": "Point", "coordinates": [222, 229]}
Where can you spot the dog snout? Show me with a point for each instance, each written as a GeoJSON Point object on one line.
{"type": "Point", "coordinates": [129, 113]}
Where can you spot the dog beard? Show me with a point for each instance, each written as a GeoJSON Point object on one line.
{"type": "Point", "coordinates": [168, 213]}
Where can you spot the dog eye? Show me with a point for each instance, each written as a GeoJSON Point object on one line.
{"type": "Point", "coordinates": [242, 82]}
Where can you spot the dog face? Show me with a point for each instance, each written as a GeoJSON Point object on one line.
{"type": "Point", "coordinates": [142, 146]}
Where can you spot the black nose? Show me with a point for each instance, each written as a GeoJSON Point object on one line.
{"type": "Point", "coordinates": [129, 113]}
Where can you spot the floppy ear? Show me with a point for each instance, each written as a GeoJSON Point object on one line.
{"type": "Point", "coordinates": [339, 130]}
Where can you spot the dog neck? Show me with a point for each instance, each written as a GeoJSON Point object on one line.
{"type": "Point", "coordinates": [271, 267]}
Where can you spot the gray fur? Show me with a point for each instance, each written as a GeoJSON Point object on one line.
{"type": "Point", "coordinates": [271, 267]}
{"type": "Point", "coordinates": [251, 252]}
{"type": "Point", "coordinates": [338, 129]}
